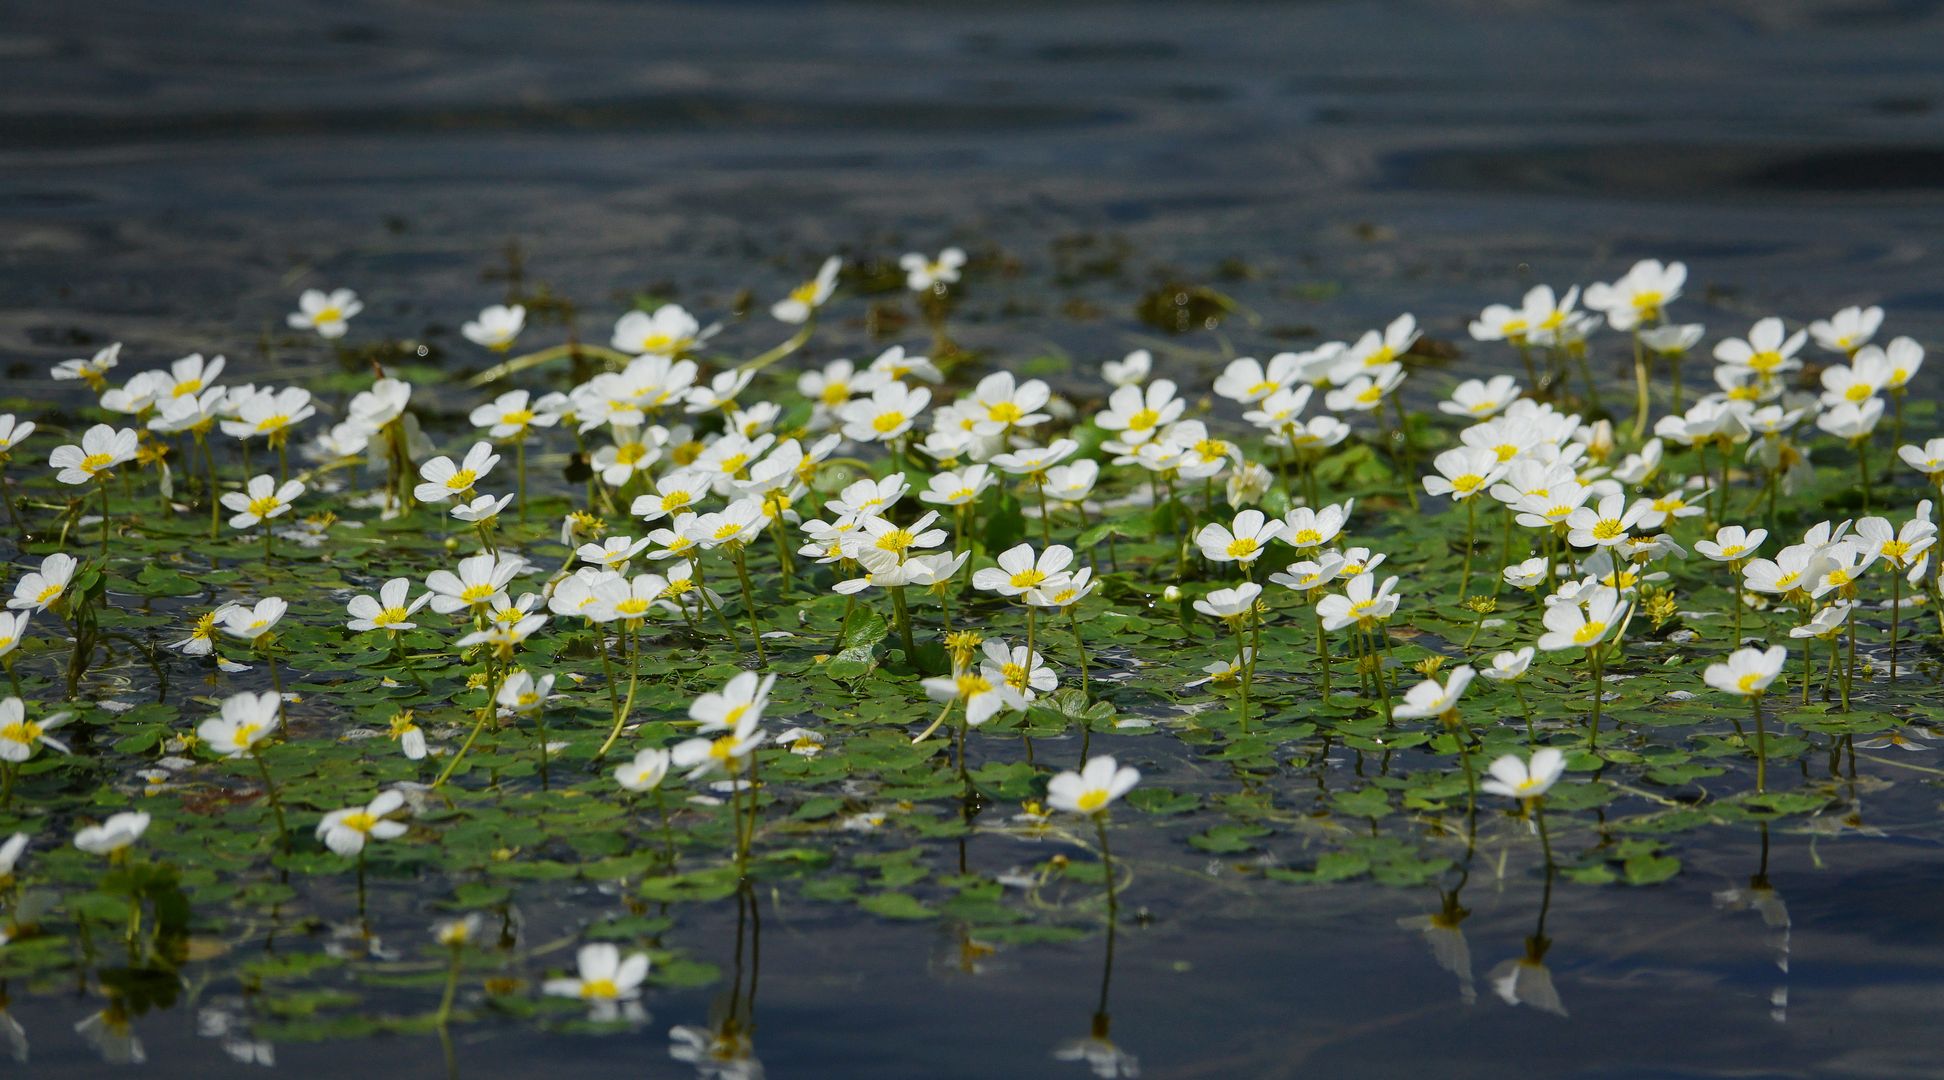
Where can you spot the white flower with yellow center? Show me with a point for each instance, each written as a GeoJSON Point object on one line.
{"type": "Point", "coordinates": [261, 500]}
{"type": "Point", "coordinates": [347, 831]}
{"type": "Point", "coordinates": [1516, 779]}
{"type": "Point", "coordinates": [247, 719]}
{"type": "Point", "coordinates": [805, 299]}
{"type": "Point", "coordinates": [495, 328]}
{"type": "Point", "coordinates": [21, 737]}
{"type": "Point", "coordinates": [1095, 787]}
{"type": "Point", "coordinates": [391, 610]}
{"type": "Point", "coordinates": [102, 449]}
{"type": "Point", "coordinates": [1020, 570]}
{"type": "Point", "coordinates": [37, 590]}
{"type": "Point", "coordinates": [1748, 672]}
{"type": "Point", "coordinates": [327, 313]}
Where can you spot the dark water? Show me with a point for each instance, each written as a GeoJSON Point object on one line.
{"type": "Point", "coordinates": [172, 173]}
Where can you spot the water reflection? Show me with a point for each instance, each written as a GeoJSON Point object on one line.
{"type": "Point", "coordinates": [1526, 980]}
{"type": "Point", "coordinates": [1760, 897]}
{"type": "Point", "coordinates": [1098, 1049]}
{"type": "Point", "coordinates": [1443, 932]}
{"type": "Point", "coordinates": [725, 1049]}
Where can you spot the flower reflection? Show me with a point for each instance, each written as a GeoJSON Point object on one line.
{"type": "Point", "coordinates": [725, 1049]}
{"type": "Point", "coordinates": [108, 1031]}
{"type": "Point", "coordinates": [1102, 1056]}
{"type": "Point", "coordinates": [223, 1019]}
{"type": "Point", "coordinates": [1442, 931]}
{"type": "Point", "coordinates": [719, 1053]}
{"type": "Point", "coordinates": [11, 1030]}
{"type": "Point", "coordinates": [1527, 980]}
{"type": "Point", "coordinates": [1760, 897]}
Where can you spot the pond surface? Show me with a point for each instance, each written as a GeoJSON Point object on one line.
{"type": "Point", "coordinates": [170, 176]}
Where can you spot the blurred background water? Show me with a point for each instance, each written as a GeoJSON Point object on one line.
{"type": "Point", "coordinates": [171, 174]}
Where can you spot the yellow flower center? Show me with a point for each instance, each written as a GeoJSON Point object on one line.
{"type": "Point", "coordinates": [1308, 537]}
{"type": "Point", "coordinates": [1242, 547]}
{"type": "Point", "coordinates": [1089, 801]}
{"type": "Point", "coordinates": [1016, 676]}
{"type": "Point", "coordinates": [1731, 551]}
{"type": "Point", "coordinates": [1765, 362]}
{"type": "Point", "coordinates": [1028, 578]}
{"type": "Point", "coordinates": [461, 480]}
{"type": "Point", "coordinates": [1607, 529]}
{"type": "Point", "coordinates": [896, 540]}
{"type": "Point", "coordinates": [971, 686]}
{"type": "Point", "coordinates": [1589, 633]}
{"type": "Point", "coordinates": [1005, 412]}
{"type": "Point", "coordinates": [96, 462]}
{"type": "Point", "coordinates": [1747, 682]}
{"type": "Point", "coordinates": [631, 607]}
{"type": "Point", "coordinates": [246, 734]}
{"type": "Point", "coordinates": [391, 616]}
{"type": "Point", "coordinates": [185, 387]}
{"type": "Point", "coordinates": [517, 417]}
{"type": "Point", "coordinates": [630, 452]}
{"type": "Point", "coordinates": [600, 988]}
{"type": "Point", "coordinates": [359, 821]}
{"type": "Point", "coordinates": [1467, 483]}
{"type": "Point", "coordinates": [675, 500]}
{"type": "Point", "coordinates": [477, 594]}
{"type": "Point", "coordinates": [264, 506]}
{"type": "Point", "coordinates": [835, 393]}
{"type": "Point", "coordinates": [21, 731]}
{"type": "Point", "coordinates": [886, 423]}
{"type": "Point", "coordinates": [1143, 420]}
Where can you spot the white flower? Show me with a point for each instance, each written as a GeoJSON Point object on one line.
{"type": "Point", "coordinates": [102, 448]}
{"type": "Point", "coordinates": [806, 298]}
{"type": "Point", "coordinates": [247, 719]}
{"type": "Point", "coordinates": [21, 737]}
{"type": "Point", "coordinates": [38, 590]}
{"type": "Point", "coordinates": [496, 327]}
{"type": "Point", "coordinates": [482, 508]}
{"type": "Point", "coordinates": [347, 831]}
{"type": "Point", "coordinates": [1464, 472]}
{"type": "Point", "coordinates": [1091, 790]}
{"type": "Point", "coordinates": [888, 413]}
{"type": "Point", "coordinates": [114, 834]}
{"type": "Point", "coordinates": [1130, 370]}
{"type": "Point", "coordinates": [1770, 349]}
{"type": "Point", "coordinates": [1244, 543]}
{"type": "Point", "coordinates": [92, 370]}
{"type": "Point", "coordinates": [1025, 674]}
{"type": "Point", "coordinates": [1640, 296]}
{"type": "Point", "coordinates": [1748, 672]}
{"type": "Point", "coordinates": [1847, 420]}
{"type": "Point", "coordinates": [511, 414]}
{"type": "Point", "coordinates": [1848, 330]}
{"type": "Point", "coordinates": [1020, 571]}
{"type": "Point", "coordinates": [1481, 400]}
{"type": "Point", "coordinates": [1570, 626]}
{"type": "Point", "coordinates": [521, 694]}
{"type": "Point", "coordinates": [1230, 603]}
{"type": "Point", "coordinates": [1000, 404]}
{"type": "Point", "coordinates": [702, 756]}
{"type": "Point", "coordinates": [646, 772]}
{"type": "Point", "coordinates": [1140, 413]}
{"type": "Point", "coordinates": [1515, 779]}
{"type": "Point", "coordinates": [922, 274]}
{"type": "Point", "coordinates": [271, 413]}
{"type": "Point", "coordinates": [252, 623]}
{"type": "Point", "coordinates": [605, 978]}
{"type": "Point", "coordinates": [892, 363]}
{"type": "Point", "coordinates": [668, 333]}
{"type": "Point", "coordinates": [1509, 666]}
{"type": "Point", "coordinates": [479, 580]}
{"type": "Point", "coordinates": [1526, 574]}
{"type": "Point", "coordinates": [1429, 698]}
{"type": "Point", "coordinates": [1362, 602]}
{"type": "Point", "coordinates": [1732, 543]}
{"type": "Point", "coordinates": [389, 610]}
{"type": "Point", "coordinates": [744, 697]}
{"type": "Point", "coordinates": [262, 500]}
{"type": "Point", "coordinates": [983, 693]}
{"type": "Point", "coordinates": [443, 479]}
{"type": "Point", "coordinates": [328, 314]}
{"type": "Point", "coordinates": [1305, 528]}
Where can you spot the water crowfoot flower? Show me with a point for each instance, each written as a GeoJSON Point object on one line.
{"type": "Point", "coordinates": [1748, 673]}
{"type": "Point", "coordinates": [606, 981]}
